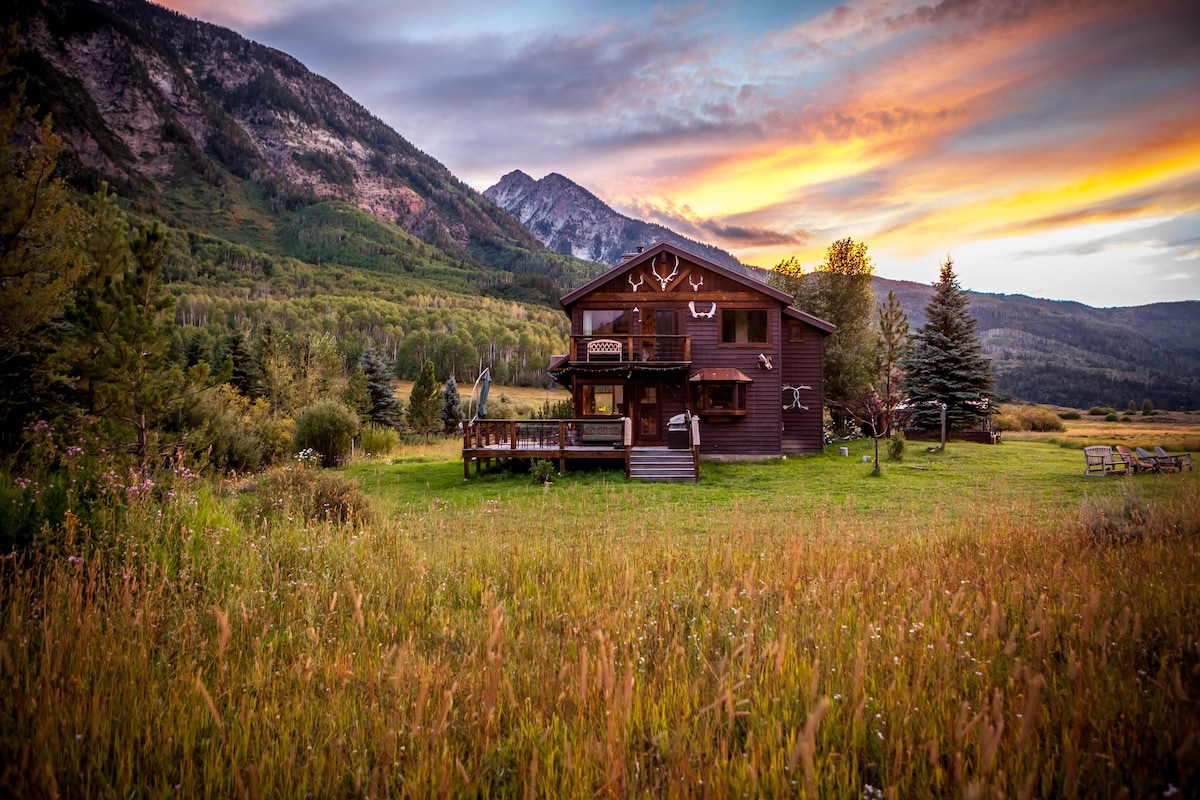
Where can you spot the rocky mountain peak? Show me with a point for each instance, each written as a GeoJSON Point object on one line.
{"type": "Point", "coordinates": [569, 219]}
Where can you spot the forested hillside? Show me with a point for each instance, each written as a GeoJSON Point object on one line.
{"type": "Point", "coordinates": [284, 200]}
{"type": "Point", "coordinates": [1069, 354]}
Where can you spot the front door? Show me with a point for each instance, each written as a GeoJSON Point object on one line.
{"type": "Point", "coordinates": [647, 426]}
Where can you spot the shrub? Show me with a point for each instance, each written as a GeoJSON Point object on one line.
{"type": "Point", "coordinates": [1070, 415]}
{"type": "Point", "coordinates": [1112, 417]}
{"type": "Point", "coordinates": [1043, 420]}
{"type": "Point", "coordinates": [1099, 411]}
{"type": "Point", "coordinates": [238, 433]}
{"type": "Point", "coordinates": [895, 447]}
{"type": "Point", "coordinates": [1027, 418]}
{"type": "Point", "coordinates": [560, 409]}
{"type": "Point", "coordinates": [1147, 407]}
{"type": "Point", "coordinates": [305, 493]}
{"type": "Point", "coordinates": [378, 440]}
{"type": "Point", "coordinates": [329, 428]}
{"type": "Point", "coordinates": [542, 471]}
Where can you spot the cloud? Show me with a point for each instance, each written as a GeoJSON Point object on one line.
{"type": "Point", "coordinates": [917, 126]}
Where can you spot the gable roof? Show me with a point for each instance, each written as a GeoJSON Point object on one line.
{"type": "Point", "coordinates": [654, 250]}
{"type": "Point", "coordinates": [650, 253]}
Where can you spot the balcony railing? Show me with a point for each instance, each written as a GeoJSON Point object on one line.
{"type": "Point", "coordinates": [631, 349]}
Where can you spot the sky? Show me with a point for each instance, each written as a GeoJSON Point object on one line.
{"type": "Point", "coordinates": [1050, 147]}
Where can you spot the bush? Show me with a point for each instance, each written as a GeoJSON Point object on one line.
{"type": "Point", "coordinates": [542, 471]}
{"type": "Point", "coordinates": [378, 440]}
{"type": "Point", "coordinates": [1027, 418]}
{"type": "Point", "coordinates": [1112, 417]}
{"type": "Point", "coordinates": [1147, 407]}
{"type": "Point", "coordinates": [1099, 411]}
{"type": "Point", "coordinates": [329, 428]}
{"type": "Point", "coordinates": [237, 433]}
{"type": "Point", "coordinates": [305, 493]}
{"type": "Point", "coordinates": [895, 447]}
{"type": "Point", "coordinates": [1070, 415]}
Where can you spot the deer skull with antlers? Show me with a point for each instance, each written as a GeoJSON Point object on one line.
{"type": "Point", "coordinates": [636, 285]}
{"type": "Point", "coordinates": [696, 284]}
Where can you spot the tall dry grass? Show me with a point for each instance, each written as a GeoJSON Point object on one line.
{"type": "Point", "coordinates": [575, 643]}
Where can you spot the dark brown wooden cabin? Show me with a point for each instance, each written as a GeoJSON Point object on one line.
{"type": "Point", "coordinates": [667, 332]}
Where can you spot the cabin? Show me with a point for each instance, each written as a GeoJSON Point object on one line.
{"type": "Point", "coordinates": [671, 352]}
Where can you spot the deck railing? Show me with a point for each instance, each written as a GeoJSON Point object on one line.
{"type": "Point", "coordinates": [637, 349]}
{"type": "Point", "coordinates": [555, 439]}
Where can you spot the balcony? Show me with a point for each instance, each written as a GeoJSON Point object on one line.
{"type": "Point", "coordinates": [630, 350]}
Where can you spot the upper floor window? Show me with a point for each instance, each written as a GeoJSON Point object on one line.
{"type": "Point", "coordinates": [605, 321]}
{"type": "Point", "coordinates": [744, 326]}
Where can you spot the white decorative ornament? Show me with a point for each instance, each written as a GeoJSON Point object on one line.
{"type": "Point", "coordinates": [712, 312]}
{"type": "Point", "coordinates": [662, 282]}
{"type": "Point", "coordinates": [795, 390]}
{"type": "Point", "coordinates": [696, 284]}
{"type": "Point", "coordinates": [764, 362]}
{"type": "Point", "coordinates": [636, 285]}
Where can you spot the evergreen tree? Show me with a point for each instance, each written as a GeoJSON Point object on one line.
{"type": "Point", "coordinates": [356, 395]}
{"type": "Point", "coordinates": [384, 405]}
{"type": "Point", "coordinates": [41, 236]}
{"type": "Point", "coordinates": [121, 330]}
{"type": "Point", "coordinates": [945, 363]}
{"type": "Point", "coordinates": [244, 374]}
{"type": "Point", "coordinates": [892, 347]}
{"type": "Point", "coordinates": [41, 230]}
{"type": "Point", "coordinates": [424, 403]}
{"type": "Point", "coordinates": [451, 414]}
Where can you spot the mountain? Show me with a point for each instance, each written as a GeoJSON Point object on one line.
{"type": "Point", "coordinates": [206, 130]}
{"type": "Point", "coordinates": [1069, 354]}
{"type": "Point", "coordinates": [569, 219]}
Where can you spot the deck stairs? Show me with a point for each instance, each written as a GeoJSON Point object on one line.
{"type": "Point", "coordinates": [661, 464]}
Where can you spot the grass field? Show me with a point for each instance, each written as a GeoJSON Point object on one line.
{"type": "Point", "coordinates": [979, 622]}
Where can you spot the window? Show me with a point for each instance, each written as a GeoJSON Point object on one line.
{"type": "Point", "coordinates": [795, 332]}
{"type": "Point", "coordinates": [719, 392]}
{"type": "Point", "coordinates": [720, 399]}
{"type": "Point", "coordinates": [603, 399]}
{"type": "Point", "coordinates": [744, 326]}
{"type": "Point", "coordinates": [605, 321]}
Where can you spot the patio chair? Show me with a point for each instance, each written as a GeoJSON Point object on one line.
{"type": "Point", "coordinates": [1155, 465]}
{"type": "Point", "coordinates": [1181, 461]}
{"type": "Point", "coordinates": [1100, 461]}
{"type": "Point", "coordinates": [1135, 463]}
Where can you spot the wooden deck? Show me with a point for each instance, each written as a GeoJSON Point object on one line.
{"type": "Point", "coordinates": [485, 441]}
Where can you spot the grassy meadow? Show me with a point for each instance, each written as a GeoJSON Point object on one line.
{"type": "Point", "coordinates": [979, 622]}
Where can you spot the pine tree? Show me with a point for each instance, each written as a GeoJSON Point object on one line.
{"type": "Point", "coordinates": [385, 407]}
{"type": "Point", "coordinates": [451, 414]}
{"type": "Point", "coordinates": [946, 363]}
{"type": "Point", "coordinates": [41, 229]}
{"type": "Point", "coordinates": [244, 373]}
{"type": "Point", "coordinates": [121, 330]}
{"type": "Point", "coordinates": [41, 235]}
{"type": "Point", "coordinates": [424, 403]}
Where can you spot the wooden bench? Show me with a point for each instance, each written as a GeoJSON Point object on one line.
{"type": "Point", "coordinates": [601, 432]}
{"type": "Point", "coordinates": [1100, 461]}
{"type": "Point", "coordinates": [604, 349]}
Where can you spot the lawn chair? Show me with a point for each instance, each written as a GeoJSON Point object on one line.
{"type": "Point", "coordinates": [1100, 461]}
{"type": "Point", "coordinates": [1152, 462]}
{"type": "Point", "coordinates": [1182, 461]}
{"type": "Point", "coordinates": [1135, 463]}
